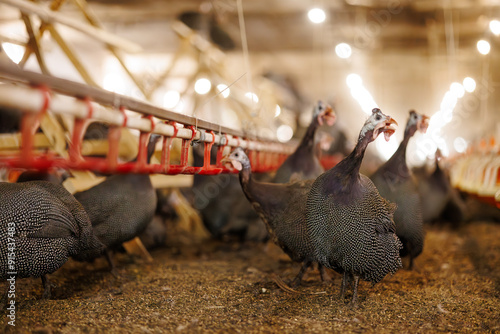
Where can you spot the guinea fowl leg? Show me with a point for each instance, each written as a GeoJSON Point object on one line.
{"type": "Point", "coordinates": [46, 287]}
{"type": "Point", "coordinates": [112, 266]}
{"type": "Point", "coordinates": [410, 267]}
{"type": "Point", "coordinates": [345, 281]}
{"type": "Point", "coordinates": [296, 281]}
{"type": "Point", "coordinates": [354, 301]}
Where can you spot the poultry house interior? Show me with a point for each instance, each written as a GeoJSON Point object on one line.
{"type": "Point", "coordinates": [231, 166]}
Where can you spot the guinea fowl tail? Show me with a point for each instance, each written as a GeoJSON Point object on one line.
{"type": "Point", "coordinates": [389, 261]}
{"type": "Point", "coordinates": [90, 248]}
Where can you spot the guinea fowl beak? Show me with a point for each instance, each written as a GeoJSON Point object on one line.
{"type": "Point", "coordinates": [328, 116]}
{"type": "Point", "coordinates": [386, 128]}
{"type": "Point", "coordinates": [423, 124]}
{"type": "Point", "coordinates": [225, 160]}
{"type": "Point", "coordinates": [232, 163]}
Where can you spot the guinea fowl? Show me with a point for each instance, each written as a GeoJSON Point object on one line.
{"type": "Point", "coordinates": [223, 206]}
{"type": "Point", "coordinates": [121, 206]}
{"type": "Point", "coordinates": [396, 183]}
{"type": "Point", "coordinates": [41, 226]}
{"type": "Point", "coordinates": [440, 201]}
{"type": "Point", "coordinates": [282, 208]}
{"type": "Point", "coordinates": [53, 176]}
{"type": "Point", "coordinates": [348, 222]}
{"type": "Point", "coordinates": [303, 164]}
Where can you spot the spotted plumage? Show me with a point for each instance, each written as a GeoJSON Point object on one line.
{"type": "Point", "coordinates": [303, 163]}
{"type": "Point", "coordinates": [120, 207]}
{"type": "Point", "coordinates": [41, 226]}
{"type": "Point", "coordinates": [349, 223]}
{"type": "Point", "coordinates": [396, 183]}
{"type": "Point", "coordinates": [282, 208]}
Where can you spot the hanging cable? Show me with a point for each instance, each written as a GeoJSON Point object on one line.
{"type": "Point", "coordinates": [244, 45]}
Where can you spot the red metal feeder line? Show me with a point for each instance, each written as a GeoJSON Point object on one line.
{"type": "Point", "coordinates": [114, 135]}
{"type": "Point", "coordinates": [276, 159]}
{"type": "Point", "coordinates": [206, 152]}
{"type": "Point", "coordinates": [220, 151]}
{"type": "Point", "coordinates": [269, 159]}
{"type": "Point", "coordinates": [208, 168]}
{"type": "Point", "coordinates": [183, 167]}
{"type": "Point", "coordinates": [265, 156]}
{"type": "Point", "coordinates": [29, 125]}
{"type": "Point", "coordinates": [166, 149]}
{"type": "Point", "coordinates": [79, 127]}
{"type": "Point", "coordinates": [256, 161]}
{"type": "Point", "coordinates": [142, 155]}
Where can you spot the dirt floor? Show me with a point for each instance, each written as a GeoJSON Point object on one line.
{"type": "Point", "coordinates": [229, 288]}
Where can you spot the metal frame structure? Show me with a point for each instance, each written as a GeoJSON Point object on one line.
{"type": "Point", "coordinates": [37, 94]}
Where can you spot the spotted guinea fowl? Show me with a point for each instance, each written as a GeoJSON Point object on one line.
{"type": "Point", "coordinates": [282, 208]}
{"type": "Point", "coordinates": [41, 226]}
{"type": "Point", "coordinates": [53, 176]}
{"type": "Point", "coordinates": [350, 225]}
{"type": "Point", "coordinates": [440, 201]}
{"type": "Point", "coordinates": [303, 164]}
{"type": "Point", "coordinates": [121, 206]}
{"type": "Point", "coordinates": [396, 183]}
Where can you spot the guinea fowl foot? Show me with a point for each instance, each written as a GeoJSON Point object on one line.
{"type": "Point", "coordinates": [411, 265]}
{"type": "Point", "coordinates": [354, 302]}
{"type": "Point", "coordinates": [295, 282]}
{"type": "Point", "coordinates": [298, 279]}
{"type": "Point", "coordinates": [346, 281]}
{"type": "Point", "coordinates": [111, 262]}
{"type": "Point", "coordinates": [47, 285]}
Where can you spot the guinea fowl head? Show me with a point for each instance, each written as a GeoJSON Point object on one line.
{"type": "Point", "coordinates": [376, 124]}
{"type": "Point", "coordinates": [238, 159]}
{"type": "Point", "coordinates": [416, 122]}
{"type": "Point", "coordinates": [324, 114]}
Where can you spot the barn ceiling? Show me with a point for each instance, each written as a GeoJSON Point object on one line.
{"type": "Point", "coordinates": [273, 25]}
{"type": "Point", "coordinates": [407, 52]}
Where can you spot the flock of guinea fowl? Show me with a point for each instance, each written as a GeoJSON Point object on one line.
{"type": "Point", "coordinates": [339, 219]}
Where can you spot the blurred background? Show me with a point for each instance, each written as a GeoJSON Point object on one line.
{"type": "Point", "coordinates": [278, 58]}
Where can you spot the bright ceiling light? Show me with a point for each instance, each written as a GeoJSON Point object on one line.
{"type": "Point", "coordinates": [343, 50]}
{"type": "Point", "coordinates": [364, 98]}
{"type": "Point", "coordinates": [353, 80]}
{"type": "Point", "coordinates": [277, 111]}
{"type": "Point", "coordinates": [495, 27]}
{"type": "Point", "coordinates": [360, 93]}
{"type": "Point", "coordinates": [14, 52]}
{"type": "Point", "coordinates": [483, 47]}
{"type": "Point", "coordinates": [460, 144]}
{"type": "Point", "coordinates": [224, 89]}
{"type": "Point", "coordinates": [469, 84]}
{"type": "Point", "coordinates": [284, 133]}
{"type": "Point", "coordinates": [202, 86]}
{"type": "Point", "coordinates": [316, 15]}
{"type": "Point", "coordinates": [252, 96]}
{"type": "Point", "coordinates": [457, 89]}
{"type": "Point", "coordinates": [171, 99]}
{"type": "Point", "coordinates": [449, 101]}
